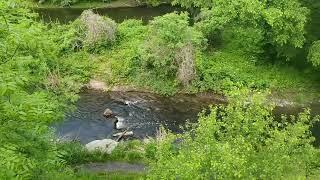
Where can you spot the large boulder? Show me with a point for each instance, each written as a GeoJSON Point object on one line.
{"type": "Point", "coordinates": [105, 145]}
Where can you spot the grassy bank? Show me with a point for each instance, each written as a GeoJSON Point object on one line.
{"type": "Point", "coordinates": [218, 70]}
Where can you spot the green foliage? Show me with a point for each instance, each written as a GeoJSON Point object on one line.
{"type": "Point", "coordinates": [240, 141]}
{"type": "Point", "coordinates": [170, 38]}
{"type": "Point", "coordinates": [236, 65]}
{"type": "Point", "coordinates": [314, 54]}
{"type": "Point", "coordinates": [27, 150]}
{"type": "Point", "coordinates": [131, 151]}
{"type": "Point", "coordinates": [37, 83]}
{"type": "Point", "coordinates": [244, 40]}
{"type": "Point", "coordinates": [221, 71]}
{"type": "Point", "coordinates": [123, 63]}
{"type": "Point", "coordinates": [156, 2]}
{"type": "Point", "coordinates": [149, 56]}
{"type": "Point", "coordinates": [277, 23]}
{"type": "Point", "coordinates": [123, 57]}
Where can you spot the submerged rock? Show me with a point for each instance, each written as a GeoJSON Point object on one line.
{"type": "Point", "coordinates": [105, 145]}
{"type": "Point", "coordinates": [108, 113]}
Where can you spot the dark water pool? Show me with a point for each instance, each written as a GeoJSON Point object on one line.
{"type": "Point", "coordinates": [145, 13]}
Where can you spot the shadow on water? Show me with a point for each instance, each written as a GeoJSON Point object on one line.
{"type": "Point", "coordinates": [65, 15]}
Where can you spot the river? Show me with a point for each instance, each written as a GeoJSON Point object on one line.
{"type": "Point", "coordinates": [145, 13]}
{"type": "Point", "coordinates": [142, 113]}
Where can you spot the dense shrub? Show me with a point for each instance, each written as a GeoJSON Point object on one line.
{"type": "Point", "coordinates": [37, 83]}
{"type": "Point", "coordinates": [171, 47]}
{"type": "Point", "coordinates": [221, 71]}
{"type": "Point", "coordinates": [279, 24]}
{"type": "Point", "coordinates": [242, 140]}
{"type": "Point", "coordinates": [314, 54]}
{"type": "Point", "coordinates": [123, 57]}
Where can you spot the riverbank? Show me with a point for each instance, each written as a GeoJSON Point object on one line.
{"type": "Point", "coordinates": [287, 99]}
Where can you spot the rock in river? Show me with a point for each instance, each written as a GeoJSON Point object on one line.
{"type": "Point", "coordinates": [105, 145]}
{"type": "Point", "coordinates": [120, 123]}
{"type": "Point", "coordinates": [108, 113]}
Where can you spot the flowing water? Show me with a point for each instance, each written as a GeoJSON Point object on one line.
{"type": "Point", "coordinates": [142, 113]}
{"type": "Point", "coordinates": [65, 15]}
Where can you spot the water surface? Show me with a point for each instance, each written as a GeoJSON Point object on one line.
{"type": "Point", "coordinates": [145, 13]}
{"type": "Point", "coordinates": [143, 113]}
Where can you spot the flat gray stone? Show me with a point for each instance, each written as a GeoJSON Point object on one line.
{"type": "Point", "coordinates": [105, 145]}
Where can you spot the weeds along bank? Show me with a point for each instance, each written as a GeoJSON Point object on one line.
{"type": "Point", "coordinates": [43, 66]}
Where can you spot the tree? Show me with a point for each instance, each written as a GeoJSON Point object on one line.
{"type": "Point", "coordinates": [280, 23]}
{"type": "Point", "coordinates": [241, 140]}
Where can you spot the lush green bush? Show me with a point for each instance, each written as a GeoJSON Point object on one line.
{"type": "Point", "coordinates": [242, 140]}
{"type": "Point", "coordinates": [279, 24]}
{"type": "Point", "coordinates": [37, 82]}
{"type": "Point", "coordinates": [121, 59]}
{"type": "Point", "coordinates": [168, 54]}
{"type": "Point", "coordinates": [216, 69]}
{"type": "Point", "coordinates": [314, 54]}
{"type": "Point", "coordinates": [221, 71]}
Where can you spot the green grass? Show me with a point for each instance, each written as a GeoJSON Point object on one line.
{"type": "Point", "coordinates": [229, 69]}
{"type": "Point", "coordinates": [133, 151]}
